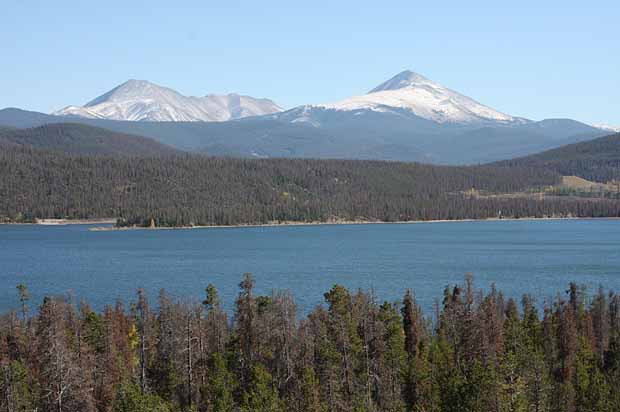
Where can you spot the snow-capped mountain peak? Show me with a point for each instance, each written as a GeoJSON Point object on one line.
{"type": "Point", "coordinates": [424, 98]}
{"type": "Point", "coordinates": [402, 80]}
{"type": "Point", "coordinates": [135, 89]}
{"type": "Point", "coordinates": [141, 100]}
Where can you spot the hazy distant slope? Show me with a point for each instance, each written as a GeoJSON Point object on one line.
{"type": "Point", "coordinates": [5, 128]}
{"type": "Point", "coordinates": [21, 119]}
{"type": "Point", "coordinates": [82, 139]}
{"type": "Point", "coordinates": [597, 160]}
{"type": "Point", "coordinates": [491, 143]}
{"type": "Point", "coordinates": [252, 137]}
{"type": "Point", "coordinates": [314, 132]}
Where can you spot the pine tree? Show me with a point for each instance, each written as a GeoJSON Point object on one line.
{"type": "Point", "coordinates": [16, 395]}
{"type": "Point", "coordinates": [261, 395]}
{"type": "Point", "coordinates": [310, 397]}
{"type": "Point", "coordinates": [391, 360]}
{"type": "Point", "coordinates": [342, 331]}
{"type": "Point", "coordinates": [416, 372]}
{"type": "Point", "coordinates": [24, 297]}
{"type": "Point", "coordinates": [218, 391]}
{"type": "Point", "coordinates": [130, 398]}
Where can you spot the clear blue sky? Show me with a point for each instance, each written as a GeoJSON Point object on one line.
{"type": "Point", "coordinates": [537, 59]}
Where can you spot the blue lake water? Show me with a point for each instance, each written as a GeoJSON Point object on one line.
{"type": "Point", "coordinates": [537, 257]}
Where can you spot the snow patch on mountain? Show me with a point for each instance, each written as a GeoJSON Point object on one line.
{"type": "Point", "coordinates": [140, 100]}
{"type": "Point", "coordinates": [607, 127]}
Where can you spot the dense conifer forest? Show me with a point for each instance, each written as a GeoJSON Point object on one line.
{"type": "Point", "coordinates": [82, 139]}
{"type": "Point", "coordinates": [183, 190]}
{"type": "Point", "coordinates": [597, 160]}
{"type": "Point", "coordinates": [480, 351]}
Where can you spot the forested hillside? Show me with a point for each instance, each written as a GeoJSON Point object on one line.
{"type": "Point", "coordinates": [82, 139]}
{"type": "Point", "coordinates": [198, 190]}
{"type": "Point", "coordinates": [480, 352]}
{"type": "Point", "coordinates": [597, 160]}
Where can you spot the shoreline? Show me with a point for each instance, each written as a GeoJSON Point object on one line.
{"type": "Point", "coordinates": [66, 222]}
{"type": "Point", "coordinates": [344, 222]}
{"type": "Point", "coordinates": [63, 222]}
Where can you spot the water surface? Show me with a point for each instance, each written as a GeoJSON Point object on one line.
{"type": "Point", "coordinates": [537, 257]}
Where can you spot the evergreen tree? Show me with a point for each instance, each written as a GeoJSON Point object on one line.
{"type": "Point", "coordinates": [221, 385]}
{"type": "Point", "coordinates": [24, 297]}
{"type": "Point", "coordinates": [15, 391]}
{"type": "Point", "coordinates": [261, 395]}
{"type": "Point", "coordinates": [129, 398]}
{"type": "Point", "coordinates": [351, 355]}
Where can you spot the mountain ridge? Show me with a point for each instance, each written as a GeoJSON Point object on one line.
{"type": "Point", "coordinates": [81, 139]}
{"type": "Point", "coordinates": [141, 100]}
{"type": "Point", "coordinates": [405, 118]}
{"type": "Point", "coordinates": [370, 135]}
{"type": "Point", "coordinates": [597, 160]}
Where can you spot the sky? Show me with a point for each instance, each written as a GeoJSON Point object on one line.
{"type": "Point", "coordinates": [536, 59]}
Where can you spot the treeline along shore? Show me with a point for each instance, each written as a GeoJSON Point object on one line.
{"type": "Point", "coordinates": [195, 190]}
{"type": "Point", "coordinates": [479, 351]}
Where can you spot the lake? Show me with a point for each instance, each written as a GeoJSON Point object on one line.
{"type": "Point", "coordinates": [537, 257]}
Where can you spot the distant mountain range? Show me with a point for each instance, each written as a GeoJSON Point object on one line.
{"type": "Point", "coordinates": [139, 100]}
{"type": "Point", "coordinates": [407, 118]}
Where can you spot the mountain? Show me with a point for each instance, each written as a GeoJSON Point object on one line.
{"type": "Point", "coordinates": [596, 160]}
{"type": "Point", "coordinates": [140, 100]}
{"type": "Point", "coordinates": [425, 98]}
{"type": "Point", "coordinates": [409, 94]}
{"type": "Point", "coordinates": [406, 118]}
{"type": "Point", "coordinates": [426, 121]}
{"type": "Point", "coordinates": [83, 140]}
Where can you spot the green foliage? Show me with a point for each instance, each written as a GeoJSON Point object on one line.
{"type": "Point", "coordinates": [310, 393]}
{"type": "Point", "coordinates": [94, 331]}
{"type": "Point", "coordinates": [218, 393]}
{"type": "Point", "coordinates": [595, 160]}
{"type": "Point", "coordinates": [24, 217]}
{"type": "Point", "coordinates": [482, 353]}
{"type": "Point", "coordinates": [261, 395]}
{"type": "Point", "coordinates": [217, 191]}
{"type": "Point", "coordinates": [82, 139]}
{"type": "Point", "coordinates": [24, 297]}
{"type": "Point", "coordinates": [15, 389]}
{"type": "Point", "coordinates": [339, 300]}
{"type": "Point", "coordinates": [592, 391]}
{"type": "Point", "coordinates": [129, 398]}
{"type": "Point", "coordinates": [165, 379]}
{"type": "Point", "coordinates": [212, 300]}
